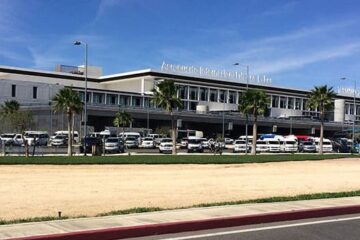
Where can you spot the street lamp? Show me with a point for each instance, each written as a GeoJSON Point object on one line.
{"type": "Point", "coordinates": [354, 111]}
{"type": "Point", "coordinates": [77, 43]}
{"type": "Point", "coordinates": [246, 115]}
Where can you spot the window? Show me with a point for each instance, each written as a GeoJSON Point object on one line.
{"type": "Point", "coordinates": [111, 99]}
{"type": "Point", "coordinates": [213, 95]}
{"type": "Point", "coordinates": [351, 109]}
{"type": "Point", "coordinates": [275, 101]}
{"type": "Point", "coordinates": [193, 93]}
{"type": "Point", "coordinates": [184, 106]}
{"type": "Point", "coordinates": [240, 97]}
{"type": "Point", "coordinates": [282, 102]}
{"type": "Point", "coordinates": [98, 98]}
{"type": "Point", "coordinates": [147, 102]}
{"type": "Point", "coordinates": [290, 103]}
{"type": "Point", "coordinates": [298, 103]}
{"type": "Point", "coordinates": [34, 92]}
{"type": "Point", "coordinates": [232, 97]}
{"type": "Point", "coordinates": [136, 101]}
{"type": "Point", "coordinates": [125, 101]}
{"type": "Point", "coordinates": [305, 107]}
{"type": "Point", "coordinates": [222, 95]}
{"type": "Point", "coordinates": [357, 109]}
{"type": "Point", "coordinates": [203, 94]}
{"type": "Point", "coordinates": [13, 90]}
{"type": "Point", "coordinates": [193, 106]}
{"type": "Point", "coordinates": [183, 92]}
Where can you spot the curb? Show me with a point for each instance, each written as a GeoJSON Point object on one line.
{"type": "Point", "coordinates": [184, 226]}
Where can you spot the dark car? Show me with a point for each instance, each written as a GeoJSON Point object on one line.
{"type": "Point", "coordinates": [342, 145]}
{"type": "Point", "coordinates": [87, 145]}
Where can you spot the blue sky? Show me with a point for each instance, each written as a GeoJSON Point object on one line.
{"type": "Point", "coordinates": [297, 43]}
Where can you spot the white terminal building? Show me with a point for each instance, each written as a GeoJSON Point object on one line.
{"type": "Point", "coordinates": [210, 100]}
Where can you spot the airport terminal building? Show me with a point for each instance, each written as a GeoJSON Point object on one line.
{"type": "Point", "coordinates": [210, 100]}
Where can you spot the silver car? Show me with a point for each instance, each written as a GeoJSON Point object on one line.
{"type": "Point", "coordinates": [114, 144]}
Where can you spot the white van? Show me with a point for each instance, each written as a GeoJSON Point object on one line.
{"type": "Point", "coordinates": [262, 146]}
{"type": "Point", "coordinates": [136, 135]}
{"type": "Point", "coordinates": [327, 145]}
{"type": "Point", "coordinates": [273, 144]}
{"type": "Point", "coordinates": [288, 144]}
{"type": "Point", "coordinates": [40, 138]}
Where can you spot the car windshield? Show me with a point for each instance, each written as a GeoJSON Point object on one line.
{"type": "Point", "coordinates": [168, 145]}
{"type": "Point", "coordinates": [166, 140]}
{"type": "Point", "coordinates": [148, 139]}
{"type": "Point", "coordinates": [8, 135]}
{"type": "Point", "coordinates": [274, 142]}
{"type": "Point", "coordinates": [112, 140]}
{"type": "Point", "coordinates": [60, 137]}
{"type": "Point", "coordinates": [195, 141]}
{"type": "Point", "coordinates": [326, 143]}
{"type": "Point", "coordinates": [307, 143]}
{"type": "Point", "coordinates": [240, 142]}
{"type": "Point", "coordinates": [290, 142]}
{"type": "Point", "coordinates": [130, 139]}
{"type": "Point", "coordinates": [260, 142]}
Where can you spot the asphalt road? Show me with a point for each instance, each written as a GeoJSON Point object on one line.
{"type": "Point", "coordinates": [333, 228]}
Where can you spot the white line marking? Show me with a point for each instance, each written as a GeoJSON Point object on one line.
{"type": "Point", "coordinates": [263, 228]}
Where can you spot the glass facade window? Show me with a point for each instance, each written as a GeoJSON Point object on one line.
{"type": "Point", "coordinates": [213, 95]}
{"type": "Point", "coordinates": [298, 103]}
{"type": "Point", "coordinates": [183, 92]}
{"type": "Point", "coordinates": [125, 101]}
{"type": "Point", "coordinates": [275, 101]}
{"type": "Point", "coordinates": [290, 103]}
{"type": "Point", "coordinates": [222, 95]}
{"type": "Point", "coordinates": [240, 97]}
{"type": "Point", "coordinates": [232, 97]}
{"type": "Point", "coordinates": [184, 105]}
{"type": "Point", "coordinates": [357, 109]}
{"type": "Point", "coordinates": [98, 98]}
{"type": "Point", "coordinates": [136, 101]}
{"type": "Point", "coordinates": [351, 109]}
{"type": "Point", "coordinates": [193, 106]}
{"type": "Point", "coordinates": [204, 94]}
{"type": "Point", "coordinates": [147, 102]}
{"type": "Point", "coordinates": [111, 99]}
{"type": "Point", "coordinates": [282, 102]}
{"type": "Point", "coordinates": [193, 92]}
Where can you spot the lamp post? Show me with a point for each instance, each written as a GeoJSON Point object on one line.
{"type": "Point", "coordinates": [85, 97]}
{"type": "Point", "coordinates": [354, 111]}
{"type": "Point", "coordinates": [246, 115]}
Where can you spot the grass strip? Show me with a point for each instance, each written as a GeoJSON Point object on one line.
{"type": "Point", "coordinates": [166, 159]}
{"type": "Point", "coordinates": [155, 209]}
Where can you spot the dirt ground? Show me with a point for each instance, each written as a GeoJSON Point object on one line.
{"type": "Point", "coordinates": [43, 190]}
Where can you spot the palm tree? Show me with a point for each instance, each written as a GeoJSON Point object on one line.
{"type": "Point", "coordinates": [321, 97]}
{"type": "Point", "coordinates": [165, 96]}
{"type": "Point", "coordinates": [69, 101]}
{"type": "Point", "coordinates": [255, 103]}
{"type": "Point", "coordinates": [10, 107]}
{"type": "Point", "coordinates": [122, 119]}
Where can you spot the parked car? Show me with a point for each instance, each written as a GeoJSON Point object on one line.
{"type": "Point", "coordinates": [194, 145]}
{"type": "Point", "coordinates": [343, 145]}
{"type": "Point", "coordinates": [89, 142]}
{"type": "Point", "coordinates": [114, 144]}
{"type": "Point", "coordinates": [327, 145]}
{"type": "Point", "coordinates": [75, 137]}
{"type": "Point", "coordinates": [165, 147]}
{"type": "Point", "coordinates": [262, 146]}
{"type": "Point", "coordinates": [240, 146]}
{"type": "Point", "coordinates": [229, 140]}
{"type": "Point", "coordinates": [131, 142]}
{"type": "Point", "coordinates": [307, 146]}
{"type": "Point", "coordinates": [39, 138]}
{"type": "Point", "coordinates": [7, 138]}
{"type": "Point", "coordinates": [205, 143]}
{"type": "Point", "coordinates": [184, 143]}
{"type": "Point", "coordinates": [59, 140]}
{"type": "Point", "coordinates": [18, 140]}
{"type": "Point", "coordinates": [148, 142]}
{"type": "Point", "coordinates": [289, 145]}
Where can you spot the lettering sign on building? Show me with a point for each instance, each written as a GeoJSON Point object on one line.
{"type": "Point", "coordinates": [213, 73]}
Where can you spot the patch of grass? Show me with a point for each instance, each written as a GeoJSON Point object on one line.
{"type": "Point", "coordinates": [167, 159]}
{"type": "Point", "coordinates": [155, 209]}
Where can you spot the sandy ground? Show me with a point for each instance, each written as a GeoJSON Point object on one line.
{"type": "Point", "coordinates": [42, 190]}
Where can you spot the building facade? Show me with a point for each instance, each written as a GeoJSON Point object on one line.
{"type": "Point", "coordinates": [209, 104]}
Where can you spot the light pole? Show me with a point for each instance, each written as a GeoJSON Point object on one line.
{"type": "Point", "coordinates": [85, 97]}
{"type": "Point", "coordinates": [246, 114]}
{"type": "Point", "coordinates": [354, 111]}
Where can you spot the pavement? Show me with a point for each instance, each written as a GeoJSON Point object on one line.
{"type": "Point", "coordinates": [172, 221]}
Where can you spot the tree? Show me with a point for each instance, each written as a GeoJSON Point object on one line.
{"type": "Point", "coordinates": [122, 119]}
{"type": "Point", "coordinates": [321, 98]}
{"type": "Point", "coordinates": [18, 120]}
{"type": "Point", "coordinates": [69, 101]}
{"type": "Point", "coordinates": [9, 107]}
{"type": "Point", "coordinates": [255, 103]}
{"type": "Point", "coordinates": [165, 96]}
